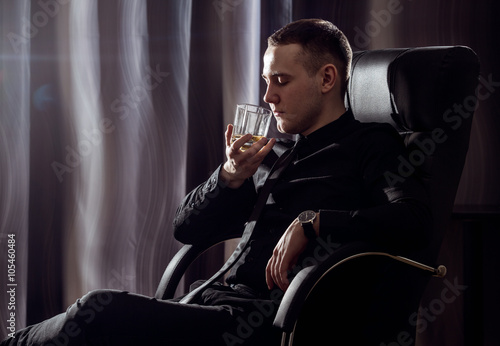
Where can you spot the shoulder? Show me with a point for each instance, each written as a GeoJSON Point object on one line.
{"type": "Point", "coordinates": [377, 144]}
{"type": "Point", "coordinates": [377, 132]}
{"type": "Point", "coordinates": [375, 127]}
{"type": "Point", "coordinates": [352, 129]}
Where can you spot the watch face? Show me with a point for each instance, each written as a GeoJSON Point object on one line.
{"type": "Point", "coordinates": [306, 216]}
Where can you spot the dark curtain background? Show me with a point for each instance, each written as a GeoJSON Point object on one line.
{"type": "Point", "coordinates": [112, 110]}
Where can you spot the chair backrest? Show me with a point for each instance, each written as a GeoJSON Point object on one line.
{"type": "Point", "coordinates": [429, 95]}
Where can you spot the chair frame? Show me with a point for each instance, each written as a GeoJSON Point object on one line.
{"type": "Point", "coordinates": [300, 288]}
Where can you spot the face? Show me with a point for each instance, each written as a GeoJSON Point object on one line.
{"type": "Point", "coordinates": [294, 97]}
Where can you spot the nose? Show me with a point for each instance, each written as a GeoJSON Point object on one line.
{"type": "Point", "coordinates": [271, 97]}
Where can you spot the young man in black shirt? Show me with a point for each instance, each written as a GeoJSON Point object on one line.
{"type": "Point", "coordinates": [332, 190]}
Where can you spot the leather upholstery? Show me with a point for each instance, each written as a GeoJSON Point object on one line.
{"type": "Point", "coordinates": [420, 91]}
{"type": "Point", "coordinates": [411, 88]}
{"type": "Point", "coordinates": [424, 93]}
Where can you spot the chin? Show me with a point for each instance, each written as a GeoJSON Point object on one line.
{"type": "Point", "coordinates": [283, 128]}
{"type": "Point", "coordinates": [287, 130]}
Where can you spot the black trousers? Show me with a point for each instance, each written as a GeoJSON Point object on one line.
{"type": "Point", "coordinates": [224, 316]}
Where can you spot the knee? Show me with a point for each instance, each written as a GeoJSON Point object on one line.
{"type": "Point", "coordinates": [81, 321]}
{"type": "Point", "coordinates": [93, 304]}
{"type": "Point", "coordinates": [101, 297]}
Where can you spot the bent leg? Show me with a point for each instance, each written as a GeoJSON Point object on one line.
{"type": "Point", "coordinates": [108, 317]}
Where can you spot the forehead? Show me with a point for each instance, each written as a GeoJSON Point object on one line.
{"type": "Point", "coordinates": [282, 59]}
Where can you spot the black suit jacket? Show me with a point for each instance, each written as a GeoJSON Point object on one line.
{"type": "Point", "coordinates": [345, 170]}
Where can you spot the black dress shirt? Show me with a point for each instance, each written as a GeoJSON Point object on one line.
{"type": "Point", "coordinates": [343, 171]}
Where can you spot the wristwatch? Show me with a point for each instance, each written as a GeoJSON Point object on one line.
{"type": "Point", "coordinates": [306, 218]}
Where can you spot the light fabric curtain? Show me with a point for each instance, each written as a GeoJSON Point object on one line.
{"type": "Point", "coordinates": [111, 111]}
{"type": "Point", "coordinates": [14, 166]}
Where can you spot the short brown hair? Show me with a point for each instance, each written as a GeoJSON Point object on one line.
{"type": "Point", "coordinates": [322, 41]}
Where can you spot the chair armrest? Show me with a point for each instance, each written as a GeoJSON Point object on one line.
{"type": "Point", "coordinates": [181, 262]}
{"type": "Point", "coordinates": [305, 281]}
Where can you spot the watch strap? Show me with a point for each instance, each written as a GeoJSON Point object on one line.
{"type": "Point", "coordinates": [309, 231]}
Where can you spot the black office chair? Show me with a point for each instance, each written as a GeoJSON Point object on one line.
{"type": "Point", "coordinates": [362, 295]}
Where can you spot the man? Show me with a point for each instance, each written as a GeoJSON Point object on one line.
{"type": "Point", "coordinates": [336, 173]}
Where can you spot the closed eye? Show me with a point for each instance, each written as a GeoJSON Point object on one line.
{"type": "Point", "coordinates": [278, 78]}
{"type": "Point", "coordinates": [282, 80]}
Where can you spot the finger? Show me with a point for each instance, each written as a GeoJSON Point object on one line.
{"type": "Point", "coordinates": [269, 279]}
{"type": "Point", "coordinates": [267, 147]}
{"type": "Point", "coordinates": [277, 268]}
{"type": "Point", "coordinates": [283, 279]}
{"type": "Point", "coordinates": [251, 153]}
{"type": "Point", "coordinates": [281, 276]}
{"type": "Point", "coordinates": [272, 270]}
{"type": "Point", "coordinates": [237, 144]}
{"type": "Point", "coordinates": [257, 146]}
{"type": "Point", "coordinates": [229, 134]}
{"type": "Point", "coordinates": [286, 263]}
{"type": "Point", "coordinates": [259, 150]}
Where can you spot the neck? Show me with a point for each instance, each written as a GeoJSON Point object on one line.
{"type": "Point", "coordinates": [329, 114]}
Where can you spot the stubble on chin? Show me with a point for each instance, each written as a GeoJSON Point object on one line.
{"type": "Point", "coordinates": [283, 127]}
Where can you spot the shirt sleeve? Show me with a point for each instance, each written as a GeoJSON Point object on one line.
{"type": "Point", "coordinates": [213, 208]}
{"type": "Point", "coordinates": [398, 214]}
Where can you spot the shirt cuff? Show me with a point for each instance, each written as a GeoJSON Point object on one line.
{"type": "Point", "coordinates": [336, 224]}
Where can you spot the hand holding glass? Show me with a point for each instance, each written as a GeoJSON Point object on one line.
{"type": "Point", "coordinates": [250, 119]}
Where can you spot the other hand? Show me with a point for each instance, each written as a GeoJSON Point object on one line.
{"type": "Point", "coordinates": [285, 255]}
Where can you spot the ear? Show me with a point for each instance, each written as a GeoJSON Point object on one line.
{"type": "Point", "coordinates": [329, 77]}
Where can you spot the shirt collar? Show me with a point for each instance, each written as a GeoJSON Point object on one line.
{"type": "Point", "coordinates": [330, 129]}
{"type": "Point", "coordinates": [325, 135]}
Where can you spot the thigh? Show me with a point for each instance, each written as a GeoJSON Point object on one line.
{"type": "Point", "coordinates": [109, 317]}
{"type": "Point", "coordinates": [122, 318]}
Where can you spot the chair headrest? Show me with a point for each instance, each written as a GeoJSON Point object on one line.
{"type": "Point", "coordinates": [411, 88]}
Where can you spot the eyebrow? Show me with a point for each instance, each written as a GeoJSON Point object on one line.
{"type": "Point", "coordinates": [277, 74]}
